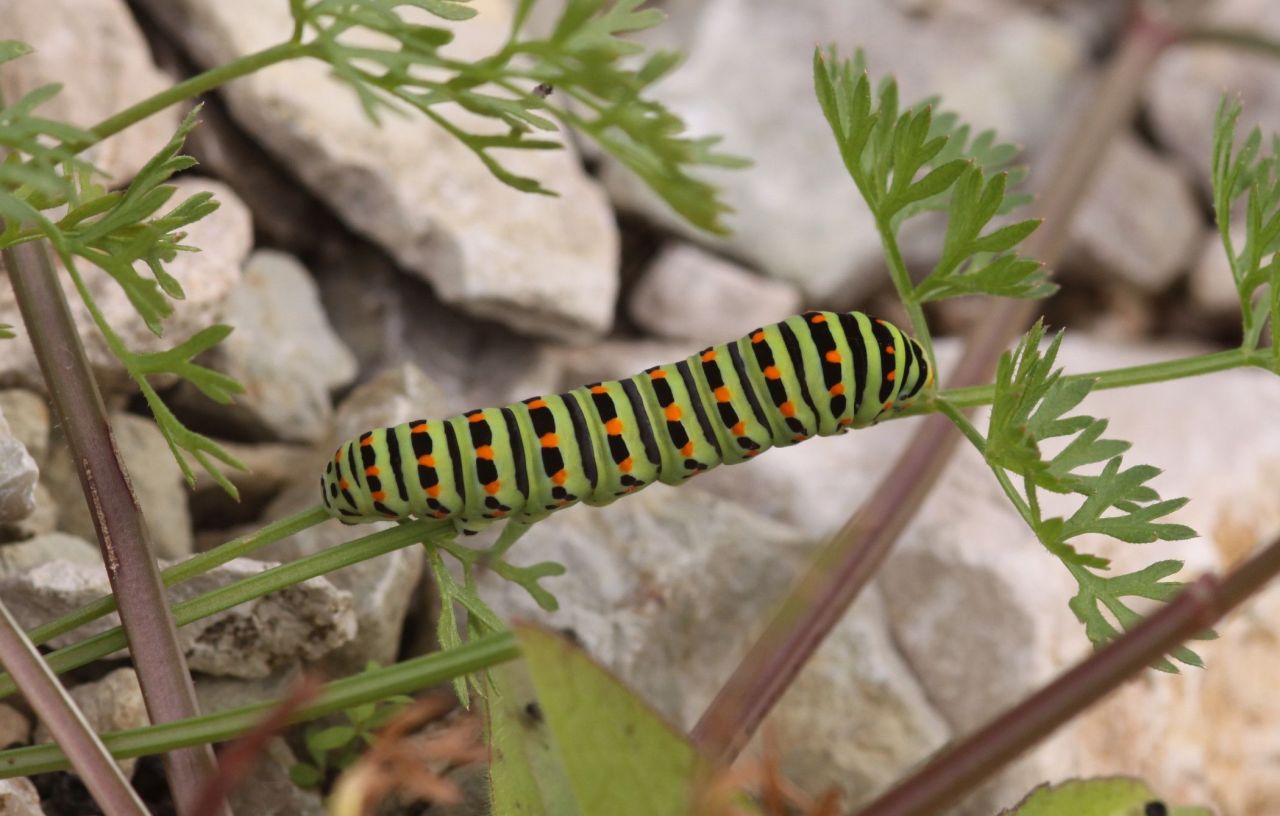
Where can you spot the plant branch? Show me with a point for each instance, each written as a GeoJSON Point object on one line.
{"type": "Point", "coordinates": [101, 774]}
{"type": "Point", "coordinates": [117, 518]}
{"type": "Point", "coordinates": [839, 573]}
{"type": "Point", "coordinates": [404, 677]}
{"type": "Point", "coordinates": [965, 764]}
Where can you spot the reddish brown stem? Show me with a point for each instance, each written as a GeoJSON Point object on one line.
{"type": "Point", "coordinates": [963, 765]}
{"type": "Point", "coordinates": [814, 607]}
{"type": "Point", "coordinates": [117, 518]}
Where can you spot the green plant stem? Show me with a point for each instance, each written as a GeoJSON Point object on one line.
{"type": "Point", "coordinates": [177, 573]}
{"type": "Point", "coordinates": [402, 678]}
{"type": "Point", "coordinates": [122, 534]}
{"type": "Point", "coordinates": [847, 563]}
{"type": "Point", "coordinates": [196, 85]}
{"type": "Point", "coordinates": [265, 582]}
{"type": "Point", "coordinates": [1164, 371]}
{"type": "Point", "coordinates": [906, 290]}
{"type": "Point", "coordinates": [1236, 38]}
{"type": "Point", "coordinates": [966, 763]}
{"type": "Point", "coordinates": [101, 774]}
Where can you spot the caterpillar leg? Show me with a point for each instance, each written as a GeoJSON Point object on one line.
{"type": "Point", "coordinates": [509, 536]}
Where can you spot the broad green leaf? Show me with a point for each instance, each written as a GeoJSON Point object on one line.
{"type": "Point", "coordinates": [618, 755]}
{"type": "Point", "coordinates": [12, 49]}
{"type": "Point", "coordinates": [1113, 796]}
{"type": "Point", "coordinates": [525, 774]}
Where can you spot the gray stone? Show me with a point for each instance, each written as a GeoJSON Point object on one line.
{"type": "Point", "coordinates": [395, 395]}
{"type": "Point", "coordinates": [270, 467]}
{"type": "Point", "coordinates": [157, 482]}
{"type": "Point", "coordinates": [18, 476]}
{"type": "Point", "coordinates": [113, 703]}
{"type": "Point", "coordinates": [648, 593]}
{"type": "Point", "coordinates": [1213, 288]}
{"type": "Point", "coordinates": [28, 416]}
{"type": "Point", "coordinates": [43, 519]}
{"type": "Point", "coordinates": [207, 277]}
{"type": "Point", "coordinates": [18, 797]}
{"type": "Point", "coordinates": [611, 359]}
{"type": "Point", "coordinates": [798, 216]}
{"type": "Point", "coordinates": [688, 293]}
{"type": "Point", "coordinates": [540, 264]}
{"type": "Point", "coordinates": [99, 56]}
{"type": "Point", "coordinates": [15, 728]}
{"type": "Point", "coordinates": [55, 546]}
{"type": "Point", "coordinates": [1140, 224]}
{"type": "Point", "coordinates": [304, 622]}
{"type": "Point", "coordinates": [1187, 83]}
{"type": "Point", "coordinates": [282, 351]}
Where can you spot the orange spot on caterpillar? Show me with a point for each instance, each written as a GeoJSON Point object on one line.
{"type": "Point", "coordinates": [708, 355]}
{"type": "Point", "coordinates": [887, 405]}
{"type": "Point", "coordinates": [598, 389]}
{"type": "Point", "coordinates": [891, 376]}
{"type": "Point", "coordinates": [475, 416]}
{"type": "Point", "coordinates": [833, 356]}
{"type": "Point", "coordinates": [739, 429]}
{"type": "Point", "coordinates": [493, 487]}
{"type": "Point", "coordinates": [687, 450]}
{"type": "Point", "coordinates": [879, 321]}
{"type": "Point", "coordinates": [625, 465]}
{"type": "Point", "coordinates": [337, 457]}
{"type": "Point", "coordinates": [372, 470]}
{"type": "Point", "coordinates": [485, 452]}
{"type": "Point", "coordinates": [787, 409]}
{"type": "Point", "coordinates": [837, 389]}
{"type": "Point", "coordinates": [433, 491]}
{"type": "Point", "coordinates": [673, 412]}
{"type": "Point", "coordinates": [613, 427]}
{"type": "Point", "coordinates": [799, 438]}
{"type": "Point", "coordinates": [427, 460]}
{"type": "Point", "coordinates": [846, 421]}
{"type": "Point", "coordinates": [378, 495]}
{"type": "Point", "coordinates": [441, 514]}
{"type": "Point", "coordinates": [657, 374]}
{"type": "Point", "coordinates": [549, 440]}
{"type": "Point", "coordinates": [722, 394]}
{"type": "Point", "coordinates": [818, 318]}
{"type": "Point", "coordinates": [419, 428]}
{"type": "Point", "coordinates": [890, 350]}
{"type": "Point", "coordinates": [757, 337]}
{"type": "Point", "coordinates": [559, 476]}
{"type": "Point", "coordinates": [367, 442]}
{"type": "Point", "coordinates": [772, 373]}
{"type": "Point", "coordinates": [538, 403]}
{"type": "Point", "coordinates": [344, 484]}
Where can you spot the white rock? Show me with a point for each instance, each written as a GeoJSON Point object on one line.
{"type": "Point", "coordinates": [41, 549]}
{"type": "Point", "coordinates": [28, 416]}
{"type": "Point", "coordinates": [1213, 288]}
{"type": "Point", "coordinates": [18, 797]}
{"type": "Point", "coordinates": [98, 54]}
{"type": "Point", "coordinates": [1140, 224]}
{"type": "Point", "coordinates": [157, 482]}
{"type": "Point", "coordinates": [304, 622]}
{"type": "Point", "coordinates": [15, 729]}
{"type": "Point", "coordinates": [113, 703]}
{"type": "Point", "coordinates": [543, 265]}
{"type": "Point", "coordinates": [224, 238]}
{"type": "Point", "coordinates": [1187, 83]}
{"type": "Point", "coordinates": [690, 293]}
{"type": "Point", "coordinates": [749, 77]}
{"type": "Point", "coordinates": [282, 351]}
{"type": "Point", "coordinates": [665, 589]}
{"type": "Point", "coordinates": [18, 476]}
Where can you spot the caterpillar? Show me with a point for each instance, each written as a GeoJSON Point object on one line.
{"type": "Point", "coordinates": [815, 374]}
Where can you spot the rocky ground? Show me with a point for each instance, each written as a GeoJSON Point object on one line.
{"type": "Point", "coordinates": [378, 275]}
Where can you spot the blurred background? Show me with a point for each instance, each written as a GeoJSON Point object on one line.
{"type": "Point", "coordinates": [377, 275]}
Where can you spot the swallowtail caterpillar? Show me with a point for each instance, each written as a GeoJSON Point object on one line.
{"type": "Point", "coordinates": [816, 374]}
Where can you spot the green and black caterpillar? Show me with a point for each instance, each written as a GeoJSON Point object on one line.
{"type": "Point", "coordinates": [816, 374]}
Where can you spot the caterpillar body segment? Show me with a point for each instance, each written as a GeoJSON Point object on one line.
{"type": "Point", "coordinates": [816, 374]}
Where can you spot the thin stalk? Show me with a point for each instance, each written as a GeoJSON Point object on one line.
{"type": "Point", "coordinates": [906, 290]}
{"type": "Point", "coordinates": [839, 573]}
{"type": "Point", "coordinates": [963, 765]}
{"type": "Point", "coordinates": [117, 518]}
{"type": "Point", "coordinates": [70, 730]}
{"type": "Point", "coordinates": [404, 677]}
{"type": "Point", "coordinates": [223, 598]}
{"type": "Point", "coordinates": [1236, 38]}
{"type": "Point", "coordinates": [196, 85]}
{"type": "Point", "coordinates": [185, 570]}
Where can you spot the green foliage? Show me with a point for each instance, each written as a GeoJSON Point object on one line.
{"type": "Point", "coordinates": [594, 746]}
{"type": "Point", "coordinates": [1111, 796]}
{"type": "Point", "coordinates": [480, 618]}
{"type": "Point", "coordinates": [1031, 406]}
{"type": "Point", "coordinates": [910, 161]}
{"type": "Point", "coordinates": [6, 331]}
{"type": "Point", "coordinates": [581, 60]}
{"type": "Point", "coordinates": [336, 747]}
{"type": "Point", "coordinates": [1249, 174]}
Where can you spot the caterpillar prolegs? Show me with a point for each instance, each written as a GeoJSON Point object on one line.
{"type": "Point", "coordinates": [815, 374]}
